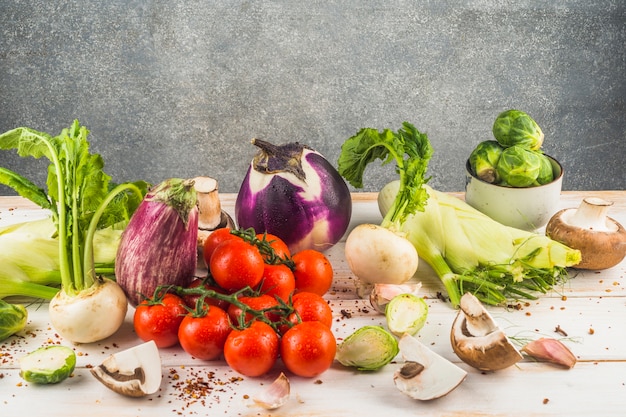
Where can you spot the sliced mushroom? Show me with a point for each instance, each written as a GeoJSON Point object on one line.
{"type": "Point", "coordinates": [133, 372]}
{"type": "Point", "coordinates": [600, 239]}
{"type": "Point", "coordinates": [478, 341]}
{"type": "Point", "coordinates": [425, 375]}
{"type": "Point", "coordinates": [276, 395]}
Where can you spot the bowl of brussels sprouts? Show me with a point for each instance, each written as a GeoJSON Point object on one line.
{"type": "Point", "coordinates": [510, 179]}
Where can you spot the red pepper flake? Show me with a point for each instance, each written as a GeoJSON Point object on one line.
{"type": "Point", "coordinates": [564, 298]}
{"type": "Point", "coordinates": [591, 331]}
{"type": "Point", "coordinates": [528, 313]}
{"type": "Point", "coordinates": [546, 400]}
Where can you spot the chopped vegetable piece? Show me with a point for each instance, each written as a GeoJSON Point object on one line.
{"type": "Point", "coordinates": [48, 364]}
{"type": "Point", "coordinates": [367, 349]}
{"type": "Point", "coordinates": [13, 318]}
{"type": "Point", "coordinates": [406, 313]}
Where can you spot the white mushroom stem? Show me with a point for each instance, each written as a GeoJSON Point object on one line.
{"type": "Point", "coordinates": [209, 206]}
{"type": "Point", "coordinates": [591, 215]}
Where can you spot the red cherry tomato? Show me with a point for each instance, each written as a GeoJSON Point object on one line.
{"type": "Point", "coordinates": [204, 337]}
{"type": "Point", "coordinates": [278, 281]}
{"type": "Point", "coordinates": [159, 320]}
{"type": "Point", "coordinates": [313, 272]}
{"type": "Point", "coordinates": [191, 299]}
{"type": "Point", "coordinates": [213, 240]}
{"type": "Point", "coordinates": [311, 307]}
{"type": "Point", "coordinates": [308, 348]}
{"type": "Point", "coordinates": [252, 351]}
{"type": "Point", "coordinates": [258, 303]}
{"type": "Point", "coordinates": [236, 264]}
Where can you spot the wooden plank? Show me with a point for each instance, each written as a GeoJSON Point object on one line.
{"type": "Point", "coordinates": [590, 308]}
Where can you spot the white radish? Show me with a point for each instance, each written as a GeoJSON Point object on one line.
{"type": "Point", "coordinates": [91, 315]}
{"type": "Point", "coordinates": [378, 255]}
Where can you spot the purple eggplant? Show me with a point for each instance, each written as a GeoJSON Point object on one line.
{"type": "Point", "coordinates": [159, 245]}
{"type": "Point", "coordinates": [293, 192]}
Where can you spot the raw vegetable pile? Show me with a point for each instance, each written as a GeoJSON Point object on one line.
{"type": "Point", "coordinates": [258, 302]}
{"type": "Point", "coordinates": [468, 250]}
{"type": "Point", "coordinates": [81, 199]}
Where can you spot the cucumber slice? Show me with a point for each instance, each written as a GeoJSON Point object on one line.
{"type": "Point", "coordinates": [48, 364]}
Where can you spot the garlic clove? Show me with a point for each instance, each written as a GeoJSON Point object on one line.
{"type": "Point", "coordinates": [383, 293]}
{"type": "Point", "coordinates": [550, 350]}
{"type": "Point", "coordinates": [276, 395]}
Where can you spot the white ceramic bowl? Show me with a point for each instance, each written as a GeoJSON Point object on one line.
{"type": "Point", "coordinates": [523, 208]}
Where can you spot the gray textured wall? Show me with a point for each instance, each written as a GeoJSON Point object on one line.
{"type": "Point", "coordinates": [178, 88]}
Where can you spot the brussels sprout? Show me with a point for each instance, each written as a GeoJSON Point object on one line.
{"type": "Point", "coordinates": [48, 364]}
{"type": "Point", "coordinates": [483, 160]}
{"type": "Point", "coordinates": [368, 349]}
{"type": "Point", "coordinates": [519, 167]}
{"type": "Point", "coordinates": [12, 319]}
{"type": "Point", "coordinates": [406, 313]}
{"type": "Point", "coordinates": [546, 172]}
{"type": "Point", "coordinates": [514, 127]}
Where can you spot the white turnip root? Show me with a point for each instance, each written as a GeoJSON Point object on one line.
{"type": "Point", "coordinates": [91, 315]}
{"type": "Point", "coordinates": [378, 255]}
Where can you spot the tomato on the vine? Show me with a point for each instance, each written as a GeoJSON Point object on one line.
{"type": "Point", "coordinates": [236, 264]}
{"type": "Point", "coordinates": [252, 351]}
{"type": "Point", "coordinates": [260, 302]}
{"type": "Point", "coordinates": [278, 281]}
{"type": "Point", "coordinates": [191, 299]}
{"type": "Point", "coordinates": [313, 272]}
{"type": "Point", "coordinates": [213, 240]}
{"type": "Point", "coordinates": [308, 348]}
{"type": "Point", "coordinates": [159, 320]}
{"type": "Point", "coordinates": [311, 307]}
{"type": "Point", "coordinates": [279, 246]}
{"type": "Point", "coordinates": [203, 337]}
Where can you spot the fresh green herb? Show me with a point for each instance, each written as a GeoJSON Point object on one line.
{"type": "Point", "coordinates": [408, 148]}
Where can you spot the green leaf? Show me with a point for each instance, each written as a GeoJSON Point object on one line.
{"type": "Point", "coordinates": [409, 148]}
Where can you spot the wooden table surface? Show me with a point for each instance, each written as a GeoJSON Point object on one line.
{"type": "Point", "coordinates": [590, 307]}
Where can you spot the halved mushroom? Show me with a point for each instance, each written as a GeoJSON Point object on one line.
{"type": "Point", "coordinates": [478, 341]}
{"type": "Point", "coordinates": [600, 239]}
{"type": "Point", "coordinates": [133, 372]}
{"type": "Point", "coordinates": [276, 395]}
{"type": "Point", "coordinates": [425, 375]}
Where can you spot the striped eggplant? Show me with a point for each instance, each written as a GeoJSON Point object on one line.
{"type": "Point", "coordinates": [159, 245]}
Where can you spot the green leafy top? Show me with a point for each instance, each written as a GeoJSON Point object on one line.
{"type": "Point", "coordinates": [410, 149]}
{"type": "Point", "coordinates": [79, 195]}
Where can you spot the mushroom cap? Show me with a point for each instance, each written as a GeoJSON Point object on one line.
{"type": "Point", "coordinates": [599, 249]}
{"type": "Point", "coordinates": [478, 341]}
